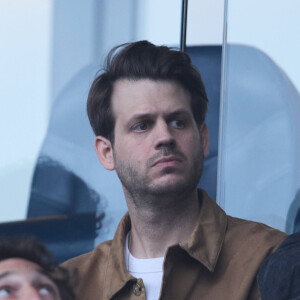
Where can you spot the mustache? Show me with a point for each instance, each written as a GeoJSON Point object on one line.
{"type": "Point", "coordinates": [165, 151]}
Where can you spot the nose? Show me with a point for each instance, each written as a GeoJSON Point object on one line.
{"type": "Point", "coordinates": [164, 136]}
{"type": "Point", "coordinates": [30, 293]}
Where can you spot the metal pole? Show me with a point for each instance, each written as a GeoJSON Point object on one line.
{"type": "Point", "coordinates": [183, 25]}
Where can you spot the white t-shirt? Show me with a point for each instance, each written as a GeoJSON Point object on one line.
{"type": "Point", "coordinates": [150, 270]}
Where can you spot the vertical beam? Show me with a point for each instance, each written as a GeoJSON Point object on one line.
{"type": "Point", "coordinates": [183, 25]}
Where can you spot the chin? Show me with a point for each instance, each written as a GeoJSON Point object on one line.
{"type": "Point", "coordinates": [171, 186]}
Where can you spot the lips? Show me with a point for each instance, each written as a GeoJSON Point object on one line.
{"type": "Point", "coordinates": [167, 161]}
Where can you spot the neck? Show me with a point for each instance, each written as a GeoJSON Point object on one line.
{"type": "Point", "coordinates": [157, 227]}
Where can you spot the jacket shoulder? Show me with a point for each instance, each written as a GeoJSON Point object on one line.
{"type": "Point", "coordinates": [86, 262]}
{"type": "Point", "coordinates": [254, 233]}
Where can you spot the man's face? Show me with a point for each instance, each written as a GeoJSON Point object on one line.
{"type": "Point", "coordinates": [158, 148]}
{"type": "Point", "coordinates": [23, 280]}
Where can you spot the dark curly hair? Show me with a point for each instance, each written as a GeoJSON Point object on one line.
{"type": "Point", "coordinates": [142, 60]}
{"type": "Point", "coordinates": [30, 249]}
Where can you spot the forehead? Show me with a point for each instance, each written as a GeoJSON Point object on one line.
{"type": "Point", "coordinates": [23, 271]}
{"type": "Point", "coordinates": [17, 273]}
{"type": "Point", "coordinates": [148, 96]}
{"type": "Point", "coordinates": [17, 264]}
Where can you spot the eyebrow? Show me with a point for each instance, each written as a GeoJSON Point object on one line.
{"type": "Point", "coordinates": [178, 112]}
{"type": "Point", "coordinates": [8, 273]}
{"type": "Point", "coordinates": [5, 274]}
{"type": "Point", "coordinates": [141, 116]}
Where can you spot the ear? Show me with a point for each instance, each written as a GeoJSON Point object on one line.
{"type": "Point", "coordinates": [205, 139]}
{"type": "Point", "coordinates": [104, 152]}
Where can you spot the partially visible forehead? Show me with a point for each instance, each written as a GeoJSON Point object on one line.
{"type": "Point", "coordinates": [20, 273]}
{"type": "Point", "coordinates": [144, 85]}
{"type": "Point", "coordinates": [127, 94]}
{"type": "Point", "coordinates": [23, 271]}
{"type": "Point", "coordinates": [16, 264]}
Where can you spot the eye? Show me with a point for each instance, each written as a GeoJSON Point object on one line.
{"type": "Point", "coordinates": [178, 123]}
{"type": "Point", "coordinates": [46, 290]}
{"type": "Point", "coordinates": [141, 126]}
{"type": "Point", "coordinates": [5, 291]}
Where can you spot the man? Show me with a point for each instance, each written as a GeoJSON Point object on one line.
{"type": "Point", "coordinates": [279, 274]}
{"type": "Point", "coordinates": [148, 112]}
{"type": "Point", "coordinates": [27, 272]}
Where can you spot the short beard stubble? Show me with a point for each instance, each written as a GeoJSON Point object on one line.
{"type": "Point", "coordinates": [143, 193]}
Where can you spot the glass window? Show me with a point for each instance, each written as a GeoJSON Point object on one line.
{"type": "Point", "coordinates": [260, 140]}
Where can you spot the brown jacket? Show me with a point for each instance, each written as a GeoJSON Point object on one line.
{"type": "Point", "coordinates": [219, 261]}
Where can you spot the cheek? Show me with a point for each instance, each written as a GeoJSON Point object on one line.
{"type": "Point", "coordinates": [133, 146]}
{"type": "Point", "coordinates": [130, 152]}
{"type": "Point", "coordinates": [192, 144]}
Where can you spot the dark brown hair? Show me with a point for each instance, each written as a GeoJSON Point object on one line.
{"type": "Point", "coordinates": [142, 60]}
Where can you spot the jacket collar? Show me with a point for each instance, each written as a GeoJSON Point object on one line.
{"type": "Point", "coordinates": [206, 240]}
{"type": "Point", "coordinates": [204, 244]}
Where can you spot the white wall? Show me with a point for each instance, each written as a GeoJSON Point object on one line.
{"type": "Point", "coordinates": [160, 21]}
{"type": "Point", "coordinates": [272, 26]}
{"type": "Point", "coordinates": [25, 60]}
{"type": "Point", "coordinates": [205, 22]}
